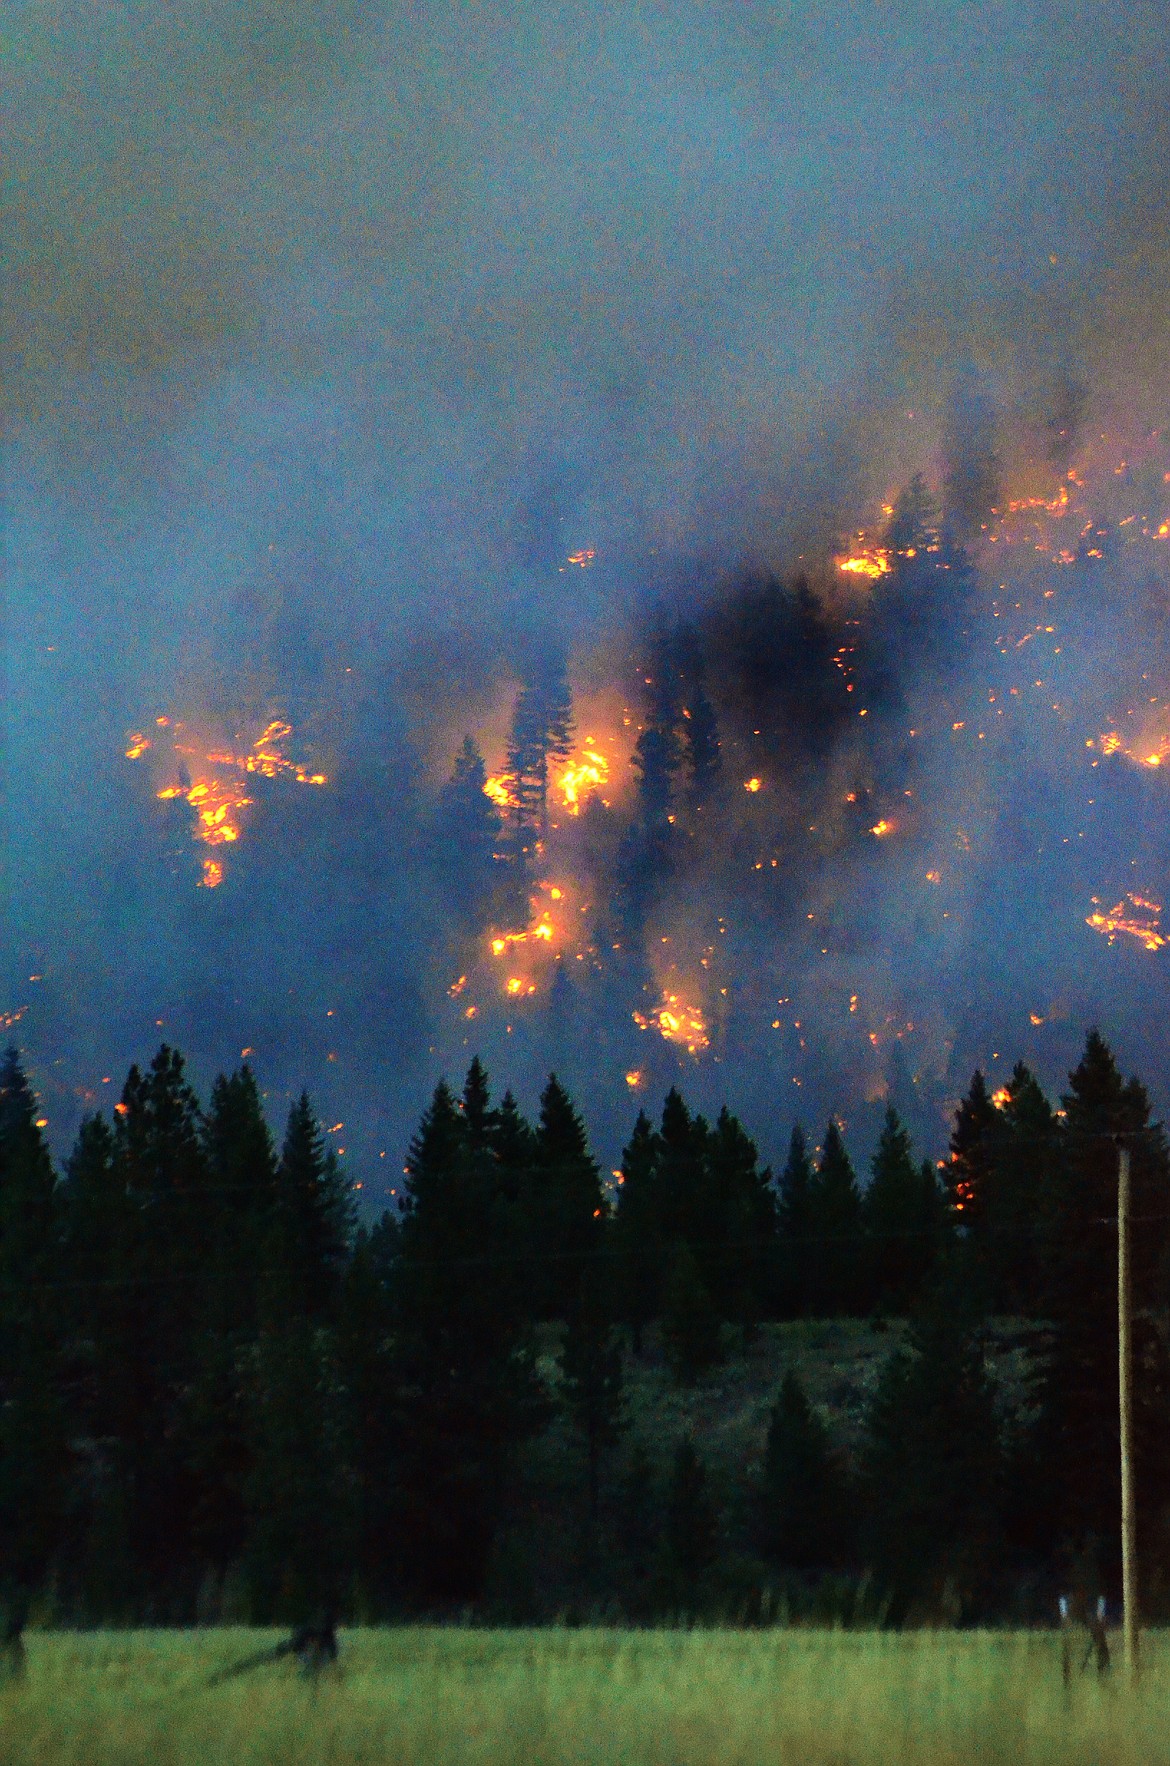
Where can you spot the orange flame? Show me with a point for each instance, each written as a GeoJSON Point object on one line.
{"type": "Point", "coordinates": [581, 776]}
{"type": "Point", "coordinates": [1140, 919]}
{"type": "Point", "coordinates": [871, 562]}
{"type": "Point", "coordinates": [677, 1022]}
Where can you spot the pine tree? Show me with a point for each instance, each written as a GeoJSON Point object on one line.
{"type": "Point", "coordinates": [1023, 1193]}
{"type": "Point", "coordinates": [687, 1548]}
{"type": "Point", "coordinates": [104, 1324]}
{"type": "Point", "coordinates": [563, 1207]}
{"type": "Point", "coordinates": [541, 732]}
{"type": "Point", "coordinates": [591, 1380]}
{"type": "Point", "coordinates": [637, 1238]}
{"type": "Point", "coordinates": [835, 1224]}
{"type": "Point", "coordinates": [297, 1495]}
{"type": "Point", "coordinates": [925, 597]}
{"type": "Point", "coordinates": [311, 1220]}
{"type": "Point", "coordinates": [241, 1197]}
{"type": "Point", "coordinates": [973, 1154]}
{"type": "Point", "coordinates": [897, 1217]}
{"type": "Point", "coordinates": [697, 728]}
{"type": "Point", "coordinates": [803, 1509]}
{"type": "Point", "coordinates": [682, 1187]}
{"type": "Point", "coordinates": [159, 1150]}
{"type": "Point", "coordinates": [476, 1106]}
{"type": "Point", "coordinates": [471, 827]}
{"type": "Point", "coordinates": [511, 1141]}
{"type": "Point", "coordinates": [794, 1224]}
{"type": "Point", "coordinates": [1079, 1393]}
{"type": "Point", "coordinates": [32, 1419]}
{"type": "Point", "coordinates": [690, 1321]}
{"type": "Point", "coordinates": [932, 1467]}
{"type": "Point", "coordinates": [741, 1214]}
{"type": "Point", "coordinates": [365, 1365]}
{"type": "Point", "coordinates": [466, 1390]}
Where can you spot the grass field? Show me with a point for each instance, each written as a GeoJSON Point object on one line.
{"type": "Point", "coordinates": [583, 1698]}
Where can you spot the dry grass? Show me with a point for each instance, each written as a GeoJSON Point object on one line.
{"type": "Point", "coordinates": [417, 1697]}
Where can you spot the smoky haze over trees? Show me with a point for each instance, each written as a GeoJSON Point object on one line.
{"type": "Point", "coordinates": [356, 324]}
{"type": "Point", "coordinates": [222, 1398]}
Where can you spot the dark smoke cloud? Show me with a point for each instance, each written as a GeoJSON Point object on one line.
{"type": "Point", "coordinates": [326, 327]}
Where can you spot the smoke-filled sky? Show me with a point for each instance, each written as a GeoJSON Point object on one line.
{"type": "Point", "coordinates": [329, 331]}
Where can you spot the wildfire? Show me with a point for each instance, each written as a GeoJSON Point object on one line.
{"type": "Point", "coordinates": [218, 797]}
{"type": "Point", "coordinates": [870, 561]}
{"type": "Point", "coordinates": [586, 773]}
{"type": "Point", "coordinates": [677, 1022]}
{"type": "Point", "coordinates": [542, 930]}
{"type": "Point", "coordinates": [752, 785]}
{"type": "Point", "coordinates": [501, 788]}
{"type": "Point", "coordinates": [882, 828]}
{"type": "Point", "coordinates": [1113, 743]}
{"type": "Point", "coordinates": [584, 558]}
{"type": "Point", "coordinates": [1136, 916]}
{"type": "Point", "coordinates": [266, 759]}
{"type": "Point", "coordinates": [1001, 1097]}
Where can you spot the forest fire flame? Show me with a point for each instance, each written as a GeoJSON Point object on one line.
{"type": "Point", "coordinates": [870, 562]}
{"type": "Point", "coordinates": [1136, 916]}
{"type": "Point", "coordinates": [1146, 755]}
{"type": "Point", "coordinates": [218, 800]}
{"type": "Point", "coordinates": [501, 788]}
{"type": "Point", "coordinates": [581, 776]}
{"type": "Point", "coordinates": [677, 1022]}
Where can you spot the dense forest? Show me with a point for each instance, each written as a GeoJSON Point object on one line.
{"type": "Point", "coordinates": [221, 1396]}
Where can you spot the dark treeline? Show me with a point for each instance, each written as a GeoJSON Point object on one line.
{"type": "Point", "coordinates": [221, 1396]}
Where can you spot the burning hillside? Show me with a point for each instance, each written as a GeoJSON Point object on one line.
{"type": "Point", "coordinates": [824, 840]}
{"type": "Point", "coordinates": [214, 782]}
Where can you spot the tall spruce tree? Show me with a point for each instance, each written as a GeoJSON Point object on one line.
{"type": "Point", "coordinates": [932, 1468]}
{"type": "Point", "coordinates": [296, 1489]}
{"type": "Point", "coordinates": [1080, 1388]}
{"type": "Point", "coordinates": [471, 831]}
{"type": "Point", "coordinates": [563, 1206]}
{"type": "Point", "coordinates": [835, 1211]}
{"type": "Point", "coordinates": [802, 1509]}
{"type": "Point", "coordinates": [794, 1226]}
{"type": "Point", "coordinates": [741, 1213]}
{"type": "Point", "coordinates": [241, 1198]}
{"type": "Point", "coordinates": [900, 1219]}
{"type": "Point", "coordinates": [32, 1421]}
{"type": "Point", "coordinates": [591, 1379]}
{"type": "Point", "coordinates": [160, 1152]}
{"type": "Point", "coordinates": [542, 725]}
{"type": "Point", "coordinates": [104, 1321]}
{"type": "Point", "coordinates": [466, 1389]}
{"type": "Point", "coordinates": [688, 1544]}
{"type": "Point", "coordinates": [637, 1231]}
{"type": "Point", "coordinates": [690, 1319]}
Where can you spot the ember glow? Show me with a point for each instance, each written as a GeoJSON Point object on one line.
{"type": "Point", "coordinates": [1136, 916]}
{"type": "Point", "coordinates": [678, 1022]}
{"type": "Point", "coordinates": [212, 781]}
{"type": "Point", "coordinates": [580, 776]}
{"type": "Point", "coordinates": [501, 788]}
{"type": "Point", "coordinates": [871, 563]}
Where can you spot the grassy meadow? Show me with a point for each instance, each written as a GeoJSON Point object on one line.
{"type": "Point", "coordinates": [454, 1697]}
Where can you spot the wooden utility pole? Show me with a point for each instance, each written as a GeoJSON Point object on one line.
{"type": "Point", "coordinates": [1129, 1614]}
